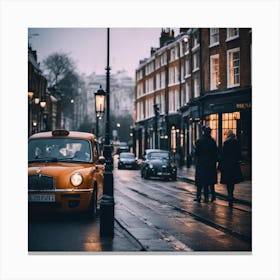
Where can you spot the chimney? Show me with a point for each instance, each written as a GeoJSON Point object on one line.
{"type": "Point", "coordinates": [167, 36]}
{"type": "Point", "coordinates": [153, 50]}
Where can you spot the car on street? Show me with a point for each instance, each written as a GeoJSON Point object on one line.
{"type": "Point", "coordinates": [65, 172]}
{"type": "Point", "coordinates": [127, 161]}
{"type": "Point", "coordinates": [158, 163]}
{"type": "Point", "coordinates": [122, 147]}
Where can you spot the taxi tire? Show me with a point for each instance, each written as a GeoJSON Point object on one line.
{"type": "Point", "coordinates": [93, 204]}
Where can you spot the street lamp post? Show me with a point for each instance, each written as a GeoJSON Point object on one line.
{"type": "Point", "coordinates": [100, 96]}
{"type": "Point", "coordinates": [107, 211]}
{"type": "Point", "coordinates": [43, 104]}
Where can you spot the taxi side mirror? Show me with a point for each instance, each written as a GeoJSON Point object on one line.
{"type": "Point", "coordinates": [101, 160]}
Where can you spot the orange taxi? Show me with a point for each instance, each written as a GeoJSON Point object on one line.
{"type": "Point", "coordinates": [65, 172]}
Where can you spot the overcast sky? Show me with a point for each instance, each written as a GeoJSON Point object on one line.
{"type": "Point", "coordinates": [88, 46]}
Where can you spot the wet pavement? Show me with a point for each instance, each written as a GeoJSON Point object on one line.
{"type": "Point", "coordinates": [133, 234]}
{"type": "Point", "coordinates": [152, 239]}
{"type": "Point", "coordinates": [242, 191]}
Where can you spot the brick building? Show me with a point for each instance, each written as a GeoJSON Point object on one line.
{"type": "Point", "coordinates": [202, 76]}
{"type": "Point", "coordinates": [44, 112]}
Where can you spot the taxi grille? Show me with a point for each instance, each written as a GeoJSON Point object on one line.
{"type": "Point", "coordinates": [40, 182]}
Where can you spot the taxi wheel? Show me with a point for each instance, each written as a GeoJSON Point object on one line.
{"type": "Point", "coordinates": [93, 204]}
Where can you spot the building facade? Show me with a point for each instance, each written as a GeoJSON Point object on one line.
{"type": "Point", "coordinates": [200, 77]}
{"type": "Point", "coordinates": [44, 109]}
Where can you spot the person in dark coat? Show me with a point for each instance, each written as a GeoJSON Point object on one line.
{"type": "Point", "coordinates": [206, 153]}
{"type": "Point", "coordinates": [230, 164]}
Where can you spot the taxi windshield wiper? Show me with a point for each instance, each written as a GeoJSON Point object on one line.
{"type": "Point", "coordinates": [44, 159]}
{"type": "Point", "coordinates": [65, 159]}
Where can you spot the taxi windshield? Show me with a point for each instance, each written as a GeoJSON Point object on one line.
{"type": "Point", "coordinates": [59, 149]}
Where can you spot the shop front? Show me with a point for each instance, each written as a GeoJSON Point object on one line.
{"type": "Point", "coordinates": [231, 111]}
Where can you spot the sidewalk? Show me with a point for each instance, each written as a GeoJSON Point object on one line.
{"type": "Point", "coordinates": [242, 191]}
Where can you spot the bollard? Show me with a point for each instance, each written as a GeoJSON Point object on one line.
{"type": "Point", "coordinates": [107, 216]}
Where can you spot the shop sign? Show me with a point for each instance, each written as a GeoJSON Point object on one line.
{"type": "Point", "coordinates": [243, 105]}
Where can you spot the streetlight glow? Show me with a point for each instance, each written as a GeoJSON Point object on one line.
{"type": "Point", "coordinates": [100, 101]}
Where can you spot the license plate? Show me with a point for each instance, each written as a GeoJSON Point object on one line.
{"type": "Point", "coordinates": [163, 174]}
{"type": "Point", "coordinates": [41, 197]}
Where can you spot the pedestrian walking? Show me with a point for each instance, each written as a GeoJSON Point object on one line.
{"type": "Point", "coordinates": [206, 153]}
{"type": "Point", "coordinates": [230, 164]}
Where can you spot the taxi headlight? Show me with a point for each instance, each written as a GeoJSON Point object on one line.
{"type": "Point", "coordinates": [76, 179]}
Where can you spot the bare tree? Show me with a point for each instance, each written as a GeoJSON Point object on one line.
{"type": "Point", "coordinates": [64, 82]}
{"type": "Point", "coordinates": [57, 66]}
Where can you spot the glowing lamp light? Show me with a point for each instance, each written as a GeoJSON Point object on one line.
{"type": "Point", "coordinates": [100, 96]}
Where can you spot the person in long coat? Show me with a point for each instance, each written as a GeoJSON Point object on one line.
{"type": "Point", "coordinates": [206, 153]}
{"type": "Point", "coordinates": [230, 164]}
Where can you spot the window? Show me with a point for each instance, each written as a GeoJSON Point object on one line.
{"type": "Point", "coordinates": [149, 85]}
{"type": "Point", "coordinates": [229, 122]}
{"type": "Point", "coordinates": [214, 72]}
{"type": "Point", "coordinates": [195, 40]}
{"type": "Point", "coordinates": [232, 33]}
{"type": "Point", "coordinates": [163, 59]}
{"type": "Point", "coordinates": [195, 61]}
{"type": "Point", "coordinates": [196, 87]}
{"type": "Point", "coordinates": [149, 68]}
{"type": "Point", "coordinates": [213, 121]}
{"type": "Point", "coordinates": [188, 91]}
{"type": "Point", "coordinates": [183, 97]}
{"type": "Point", "coordinates": [157, 62]}
{"type": "Point", "coordinates": [149, 106]}
{"type": "Point", "coordinates": [139, 90]}
{"type": "Point", "coordinates": [185, 94]}
{"type": "Point", "coordinates": [181, 46]}
{"type": "Point", "coordinates": [162, 80]}
{"type": "Point", "coordinates": [233, 67]}
{"type": "Point", "coordinates": [139, 75]}
{"type": "Point", "coordinates": [173, 54]}
{"type": "Point", "coordinates": [214, 36]}
{"type": "Point", "coordinates": [158, 81]}
{"type": "Point", "coordinates": [173, 75]}
{"type": "Point", "coordinates": [140, 114]}
{"type": "Point", "coordinates": [182, 72]}
{"type": "Point", "coordinates": [187, 68]}
{"type": "Point", "coordinates": [173, 101]}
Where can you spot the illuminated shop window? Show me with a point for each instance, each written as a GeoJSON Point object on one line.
{"type": "Point", "coordinates": [212, 121]}
{"type": "Point", "coordinates": [229, 121]}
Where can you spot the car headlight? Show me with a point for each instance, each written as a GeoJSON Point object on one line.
{"type": "Point", "coordinates": [76, 179]}
{"type": "Point", "coordinates": [151, 166]}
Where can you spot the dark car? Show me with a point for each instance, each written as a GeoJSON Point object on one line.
{"type": "Point", "coordinates": [158, 163]}
{"type": "Point", "coordinates": [122, 147]}
{"type": "Point", "coordinates": [127, 160]}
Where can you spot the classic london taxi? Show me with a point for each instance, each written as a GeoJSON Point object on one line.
{"type": "Point", "coordinates": [65, 172]}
